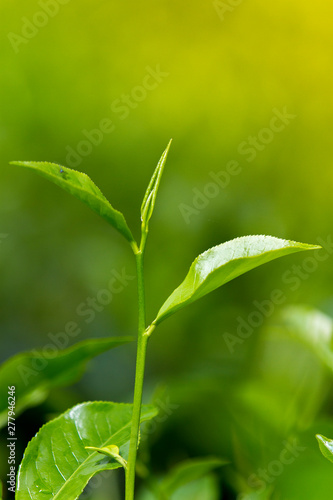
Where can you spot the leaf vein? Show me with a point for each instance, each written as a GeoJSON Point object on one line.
{"type": "Point", "coordinates": [76, 471]}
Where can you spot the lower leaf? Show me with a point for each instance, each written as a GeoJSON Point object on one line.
{"type": "Point", "coordinates": [33, 374]}
{"type": "Point", "coordinates": [326, 446]}
{"type": "Point", "coordinates": [187, 472]}
{"type": "Point", "coordinates": [56, 464]}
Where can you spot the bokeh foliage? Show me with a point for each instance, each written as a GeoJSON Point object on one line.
{"type": "Point", "coordinates": [222, 80]}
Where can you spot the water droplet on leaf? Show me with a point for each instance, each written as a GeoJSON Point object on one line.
{"type": "Point", "coordinates": [42, 488]}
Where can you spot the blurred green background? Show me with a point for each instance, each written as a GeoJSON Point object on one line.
{"type": "Point", "coordinates": [211, 75]}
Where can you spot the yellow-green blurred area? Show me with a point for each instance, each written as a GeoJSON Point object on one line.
{"type": "Point", "coordinates": [245, 91]}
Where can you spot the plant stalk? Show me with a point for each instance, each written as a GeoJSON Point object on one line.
{"type": "Point", "coordinates": [139, 377]}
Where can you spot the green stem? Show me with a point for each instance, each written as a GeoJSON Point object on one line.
{"type": "Point", "coordinates": [139, 376]}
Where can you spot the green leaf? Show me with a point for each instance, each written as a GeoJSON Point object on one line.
{"type": "Point", "coordinates": [35, 373]}
{"type": "Point", "coordinates": [185, 481]}
{"type": "Point", "coordinates": [204, 488]}
{"type": "Point", "coordinates": [326, 446]}
{"type": "Point", "coordinates": [83, 188]}
{"type": "Point", "coordinates": [223, 263]}
{"type": "Point", "coordinates": [313, 328]}
{"type": "Point", "coordinates": [188, 471]}
{"type": "Point", "coordinates": [266, 494]}
{"type": "Point", "coordinates": [149, 199]}
{"type": "Point", "coordinates": [56, 464]}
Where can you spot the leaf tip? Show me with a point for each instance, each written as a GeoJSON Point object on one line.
{"type": "Point", "coordinates": [149, 199]}
{"type": "Point", "coordinates": [166, 151]}
{"type": "Point", "coordinates": [309, 246]}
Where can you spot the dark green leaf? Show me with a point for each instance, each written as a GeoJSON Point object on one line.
{"type": "Point", "coordinates": [188, 471]}
{"type": "Point", "coordinates": [35, 373]}
{"type": "Point", "coordinates": [266, 494]}
{"type": "Point", "coordinates": [326, 446]}
{"type": "Point", "coordinates": [223, 263]}
{"type": "Point", "coordinates": [149, 199]}
{"type": "Point", "coordinates": [83, 188]}
{"type": "Point", "coordinates": [204, 488]}
{"type": "Point", "coordinates": [56, 465]}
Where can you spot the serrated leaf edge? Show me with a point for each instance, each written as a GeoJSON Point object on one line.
{"type": "Point", "coordinates": [295, 244]}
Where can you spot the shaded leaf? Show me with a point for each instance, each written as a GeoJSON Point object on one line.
{"type": "Point", "coordinates": [204, 488]}
{"type": "Point", "coordinates": [82, 187]}
{"type": "Point", "coordinates": [34, 374]}
{"type": "Point", "coordinates": [313, 328]}
{"type": "Point", "coordinates": [188, 471]}
{"type": "Point", "coordinates": [223, 263]}
{"type": "Point", "coordinates": [149, 199]}
{"type": "Point", "coordinates": [326, 446]}
{"type": "Point", "coordinates": [265, 494]}
{"type": "Point", "coordinates": [56, 464]}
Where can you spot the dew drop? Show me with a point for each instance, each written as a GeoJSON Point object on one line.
{"type": "Point", "coordinates": [42, 488]}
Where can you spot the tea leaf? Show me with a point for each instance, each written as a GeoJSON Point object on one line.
{"type": "Point", "coordinates": [83, 188]}
{"type": "Point", "coordinates": [204, 488]}
{"type": "Point", "coordinates": [258, 495]}
{"type": "Point", "coordinates": [313, 328]}
{"type": "Point", "coordinates": [223, 263]}
{"type": "Point", "coordinates": [326, 446]}
{"type": "Point", "coordinates": [34, 373]}
{"type": "Point", "coordinates": [188, 471]}
{"type": "Point", "coordinates": [56, 464]}
{"type": "Point", "coordinates": [149, 199]}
